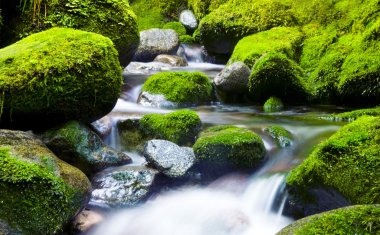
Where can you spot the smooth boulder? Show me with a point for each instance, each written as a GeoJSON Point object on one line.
{"type": "Point", "coordinates": [76, 144]}
{"type": "Point", "coordinates": [233, 78]}
{"type": "Point", "coordinates": [169, 158]}
{"type": "Point", "coordinates": [154, 42]}
{"type": "Point", "coordinates": [39, 192]}
{"type": "Point", "coordinates": [58, 75]}
{"type": "Point", "coordinates": [172, 60]}
{"type": "Point", "coordinates": [187, 18]}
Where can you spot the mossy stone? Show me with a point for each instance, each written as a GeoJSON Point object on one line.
{"type": "Point", "coordinates": [186, 39]}
{"type": "Point", "coordinates": [273, 104]}
{"type": "Point", "coordinates": [285, 40]}
{"type": "Point", "coordinates": [281, 136]}
{"type": "Point", "coordinates": [353, 115]}
{"type": "Point", "coordinates": [229, 146]}
{"type": "Point", "coordinates": [348, 162]}
{"type": "Point", "coordinates": [202, 7]}
{"type": "Point", "coordinates": [39, 191]}
{"type": "Point", "coordinates": [183, 88]}
{"type": "Point", "coordinates": [58, 75]}
{"type": "Point", "coordinates": [363, 219]}
{"type": "Point", "coordinates": [276, 75]}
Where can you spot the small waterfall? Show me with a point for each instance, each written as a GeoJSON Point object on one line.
{"type": "Point", "coordinates": [207, 211]}
{"type": "Point", "coordinates": [192, 53]}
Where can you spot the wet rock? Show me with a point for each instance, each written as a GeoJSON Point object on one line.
{"type": "Point", "coordinates": [153, 100]}
{"type": "Point", "coordinates": [169, 158]}
{"type": "Point", "coordinates": [86, 220]}
{"type": "Point", "coordinates": [233, 78]}
{"type": "Point", "coordinates": [5, 229]}
{"type": "Point", "coordinates": [154, 42]}
{"type": "Point", "coordinates": [146, 68]}
{"type": "Point", "coordinates": [124, 186]}
{"type": "Point", "coordinates": [281, 136]}
{"type": "Point", "coordinates": [103, 126]}
{"type": "Point", "coordinates": [77, 144]}
{"type": "Point", "coordinates": [188, 19]}
{"type": "Point", "coordinates": [171, 60]}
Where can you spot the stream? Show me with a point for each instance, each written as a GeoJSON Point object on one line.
{"type": "Point", "coordinates": [235, 204]}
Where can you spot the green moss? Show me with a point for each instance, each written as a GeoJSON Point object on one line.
{"type": "Point", "coordinates": [57, 75]}
{"type": "Point", "coordinates": [202, 7]}
{"type": "Point", "coordinates": [111, 18]}
{"type": "Point", "coordinates": [276, 75]}
{"type": "Point", "coordinates": [187, 39]}
{"type": "Point", "coordinates": [281, 39]}
{"type": "Point", "coordinates": [348, 162]}
{"type": "Point", "coordinates": [363, 219]}
{"type": "Point", "coordinates": [39, 192]}
{"type": "Point", "coordinates": [180, 127]}
{"type": "Point", "coordinates": [273, 104]}
{"type": "Point", "coordinates": [148, 14]}
{"type": "Point", "coordinates": [353, 115]}
{"type": "Point", "coordinates": [282, 136]}
{"type": "Point", "coordinates": [222, 146]}
{"type": "Point", "coordinates": [180, 87]}
{"type": "Point", "coordinates": [176, 26]}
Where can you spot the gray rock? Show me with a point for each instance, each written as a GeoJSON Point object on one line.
{"type": "Point", "coordinates": [153, 100]}
{"type": "Point", "coordinates": [76, 144]}
{"type": "Point", "coordinates": [171, 60]}
{"type": "Point", "coordinates": [187, 18]}
{"type": "Point", "coordinates": [154, 42]}
{"type": "Point", "coordinates": [233, 78]}
{"type": "Point", "coordinates": [103, 126]}
{"type": "Point", "coordinates": [146, 68]}
{"type": "Point", "coordinates": [125, 186]}
{"type": "Point", "coordinates": [169, 158]}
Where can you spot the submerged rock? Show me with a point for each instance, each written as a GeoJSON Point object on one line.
{"type": "Point", "coordinates": [39, 192]}
{"type": "Point", "coordinates": [122, 187]}
{"type": "Point", "coordinates": [154, 100]}
{"type": "Point", "coordinates": [233, 78]}
{"type": "Point", "coordinates": [187, 18]}
{"type": "Point", "coordinates": [154, 42]}
{"type": "Point", "coordinates": [169, 158]}
{"type": "Point", "coordinates": [58, 75]}
{"type": "Point", "coordinates": [282, 137]}
{"type": "Point", "coordinates": [86, 220]}
{"type": "Point", "coordinates": [146, 68]}
{"type": "Point", "coordinates": [171, 60]}
{"type": "Point", "coordinates": [77, 144]}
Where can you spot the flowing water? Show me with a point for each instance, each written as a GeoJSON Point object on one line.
{"type": "Point", "coordinates": [234, 204]}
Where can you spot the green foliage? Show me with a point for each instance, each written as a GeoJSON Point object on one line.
{"type": "Point", "coordinates": [180, 87]}
{"type": "Point", "coordinates": [282, 136]}
{"type": "Point", "coordinates": [186, 39]}
{"type": "Point", "coordinates": [363, 219]}
{"type": "Point", "coordinates": [348, 162]}
{"type": "Point", "coordinates": [60, 74]}
{"type": "Point", "coordinates": [281, 39]}
{"type": "Point", "coordinates": [148, 14]}
{"type": "Point", "coordinates": [276, 75]}
{"type": "Point", "coordinates": [180, 127]}
{"type": "Point", "coordinates": [229, 145]}
{"type": "Point", "coordinates": [273, 104]}
{"type": "Point", "coordinates": [353, 115]}
{"type": "Point", "coordinates": [176, 26]}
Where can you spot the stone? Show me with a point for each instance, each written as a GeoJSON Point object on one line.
{"type": "Point", "coordinates": [233, 78]}
{"type": "Point", "coordinates": [188, 19]}
{"type": "Point", "coordinates": [171, 60]}
{"type": "Point", "coordinates": [103, 126]}
{"type": "Point", "coordinates": [154, 42]}
{"type": "Point", "coordinates": [169, 158]}
{"type": "Point", "coordinates": [154, 100]}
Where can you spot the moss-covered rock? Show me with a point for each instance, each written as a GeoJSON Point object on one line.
{"type": "Point", "coordinates": [281, 136]}
{"type": "Point", "coordinates": [280, 39]}
{"type": "Point", "coordinates": [39, 192]}
{"type": "Point", "coordinates": [58, 75]}
{"type": "Point", "coordinates": [273, 104]}
{"type": "Point", "coordinates": [347, 162]}
{"type": "Point", "coordinates": [276, 75]}
{"type": "Point", "coordinates": [111, 18]}
{"type": "Point", "coordinates": [363, 219]}
{"type": "Point", "coordinates": [76, 144]}
{"type": "Point", "coordinates": [225, 26]}
{"type": "Point", "coordinates": [202, 7]}
{"type": "Point", "coordinates": [176, 26]}
{"type": "Point", "coordinates": [221, 147]}
{"type": "Point", "coordinates": [182, 88]}
{"type": "Point", "coordinates": [181, 127]}
{"type": "Point", "coordinates": [353, 115]}
{"type": "Point", "coordinates": [186, 39]}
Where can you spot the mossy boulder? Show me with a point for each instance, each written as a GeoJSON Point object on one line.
{"type": "Point", "coordinates": [182, 88]}
{"type": "Point", "coordinates": [285, 40]}
{"type": "Point", "coordinates": [221, 148]}
{"type": "Point", "coordinates": [39, 192]}
{"type": "Point", "coordinates": [58, 75]}
{"type": "Point", "coordinates": [273, 104]}
{"type": "Point", "coordinates": [224, 27]}
{"type": "Point", "coordinates": [111, 18]}
{"type": "Point", "coordinates": [276, 75]}
{"type": "Point", "coordinates": [180, 127]}
{"type": "Point", "coordinates": [76, 144]}
{"type": "Point", "coordinates": [353, 115]}
{"type": "Point", "coordinates": [281, 136]}
{"type": "Point", "coordinates": [363, 219]}
{"type": "Point", "coordinates": [186, 39]}
{"type": "Point", "coordinates": [347, 162]}
{"type": "Point", "coordinates": [202, 7]}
